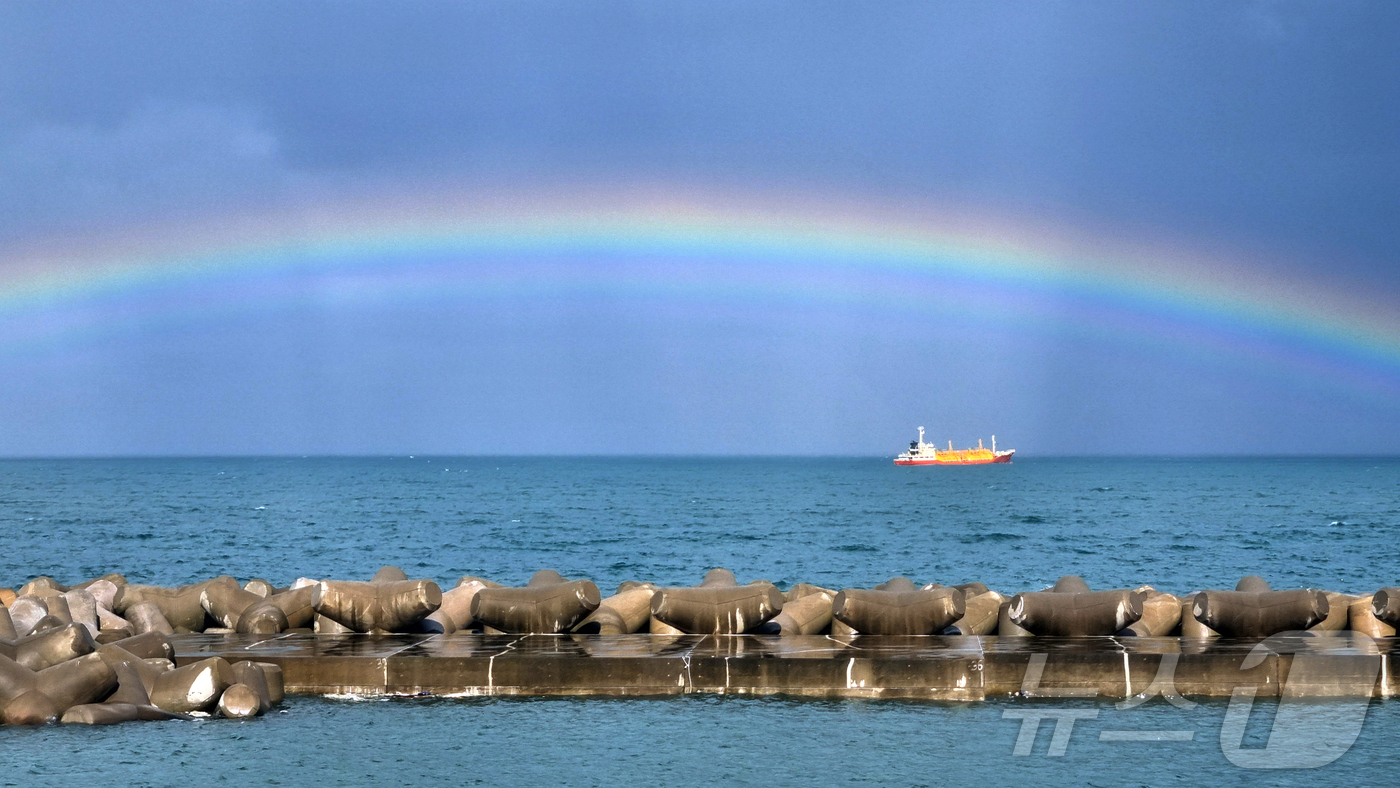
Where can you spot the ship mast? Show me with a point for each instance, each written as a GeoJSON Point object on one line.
{"type": "Point", "coordinates": [921, 436]}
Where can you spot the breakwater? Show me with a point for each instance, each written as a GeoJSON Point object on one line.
{"type": "Point", "coordinates": [105, 650]}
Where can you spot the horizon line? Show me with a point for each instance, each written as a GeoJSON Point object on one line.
{"type": "Point", "coordinates": [658, 456]}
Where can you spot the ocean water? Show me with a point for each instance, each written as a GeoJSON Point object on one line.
{"type": "Point", "coordinates": [1179, 524]}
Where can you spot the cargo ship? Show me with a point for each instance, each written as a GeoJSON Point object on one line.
{"type": "Point", "coordinates": [921, 453]}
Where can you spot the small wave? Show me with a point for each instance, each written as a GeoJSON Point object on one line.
{"type": "Point", "coordinates": [1102, 489]}
{"type": "Point", "coordinates": [856, 548]}
{"type": "Point", "coordinates": [355, 697]}
{"type": "Point", "coordinates": [1031, 519]}
{"type": "Point", "coordinates": [992, 536]}
{"type": "Point", "coordinates": [474, 692]}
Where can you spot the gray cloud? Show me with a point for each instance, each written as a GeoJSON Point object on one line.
{"type": "Point", "coordinates": [160, 158]}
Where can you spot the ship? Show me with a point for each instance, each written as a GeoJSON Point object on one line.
{"type": "Point", "coordinates": [921, 453]}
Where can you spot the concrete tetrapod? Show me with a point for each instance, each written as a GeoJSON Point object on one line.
{"type": "Point", "coordinates": [1075, 614]}
{"type": "Point", "coordinates": [242, 611]}
{"type": "Point", "coordinates": [877, 611]}
{"type": "Point", "coordinates": [83, 680]}
{"type": "Point", "coordinates": [547, 604]}
{"type": "Point", "coordinates": [195, 687]}
{"type": "Point", "coordinates": [1338, 615]}
{"type": "Point", "coordinates": [620, 614]}
{"type": "Point", "coordinates": [30, 707]}
{"type": "Point", "coordinates": [100, 714]}
{"type": "Point", "coordinates": [43, 649]}
{"type": "Point", "coordinates": [7, 626]}
{"type": "Point", "coordinates": [1385, 605]}
{"type": "Point", "coordinates": [389, 574]}
{"type": "Point", "coordinates": [113, 635]}
{"type": "Point", "coordinates": [115, 578]}
{"type": "Point", "coordinates": [376, 607]}
{"type": "Point", "coordinates": [151, 645]}
{"type": "Point", "coordinates": [1253, 584]}
{"type": "Point", "coordinates": [970, 590]}
{"type": "Point", "coordinates": [15, 680]}
{"type": "Point", "coordinates": [260, 587]}
{"type": "Point", "coordinates": [108, 713]}
{"type": "Point", "coordinates": [147, 617]}
{"type": "Point", "coordinates": [252, 676]}
{"type": "Point", "coordinates": [806, 589]}
{"type": "Point", "coordinates": [145, 670]}
{"type": "Point", "coordinates": [1161, 615]}
{"type": "Point", "coordinates": [297, 605]}
{"type": "Point", "coordinates": [87, 679]}
{"type": "Point", "coordinates": [155, 714]}
{"type": "Point", "coordinates": [327, 626]}
{"type": "Point", "coordinates": [239, 702]}
{"type": "Point", "coordinates": [469, 579]}
{"type": "Point", "coordinates": [272, 674]}
{"type": "Point", "coordinates": [49, 623]}
{"type": "Point", "coordinates": [1190, 627]}
{"type": "Point", "coordinates": [1006, 628]}
{"type": "Point", "coordinates": [809, 614]}
{"type": "Point", "coordinates": [25, 612]}
{"type": "Point", "coordinates": [718, 606]}
{"type": "Point", "coordinates": [1259, 614]}
{"type": "Point", "coordinates": [901, 584]}
{"type": "Point", "coordinates": [130, 688]}
{"type": "Point", "coordinates": [1362, 618]}
{"type": "Point", "coordinates": [182, 606]}
{"type": "Point", "coordinates": [456, 610]}
{"type": "Point", "coordinates": [980, 613]}
{"type": "Point", "coordinates": [1193, 628]}
{"type": "Point", "coordinates": [103, 592]}
{"type": "Point", "coordinates": [82, 609]}
{"type": "Point", "coordinates": [658, 627]}
{"type": "Point", "coordinates": [107, 621]}
{"type": "Point", "coordinates": [42, 583]}
{"type": "Point", "coordinates": [58, 608]}
{"type": "Point", "coordinates": [1071, 584]}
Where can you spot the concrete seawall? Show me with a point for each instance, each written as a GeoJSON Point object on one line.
{"type": "Point", "coordinates": [943, 668]}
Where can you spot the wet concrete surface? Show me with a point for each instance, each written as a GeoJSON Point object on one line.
{"type": "Point", "coordinates": [959, 668]}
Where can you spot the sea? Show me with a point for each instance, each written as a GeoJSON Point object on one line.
{"type": "Point", "coordinates": [1179, 524]}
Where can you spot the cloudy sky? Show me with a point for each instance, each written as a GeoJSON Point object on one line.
{"type": "Point", "coordinates": [1260, 134]}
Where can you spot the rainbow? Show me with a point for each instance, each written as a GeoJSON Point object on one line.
{"type": "Point", "coordinates": [667, 244]}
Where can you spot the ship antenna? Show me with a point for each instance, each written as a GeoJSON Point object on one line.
{"type": "Point", "coordinates": [921, 435]}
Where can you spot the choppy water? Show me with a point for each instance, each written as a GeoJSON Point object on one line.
{"type": "Point", "coordinates": [1178, 524]}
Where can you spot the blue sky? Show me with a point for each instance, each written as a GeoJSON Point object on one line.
{"type": "Point", "coordinates": [1265, 130]}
